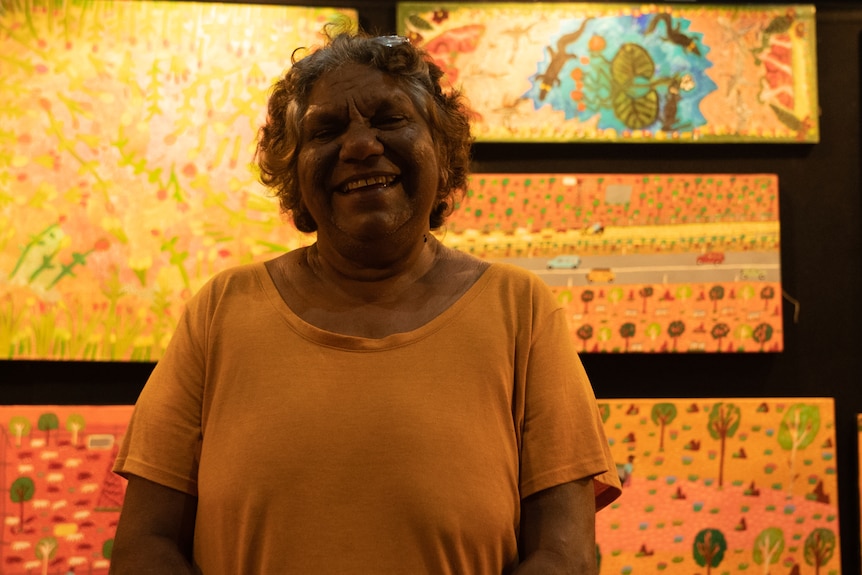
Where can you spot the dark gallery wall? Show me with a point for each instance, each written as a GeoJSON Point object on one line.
{"type": "Point", "coordinates": [821, 263]}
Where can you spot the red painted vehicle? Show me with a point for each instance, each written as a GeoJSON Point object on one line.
{"type": "Point", "coordinates": [710, 258]}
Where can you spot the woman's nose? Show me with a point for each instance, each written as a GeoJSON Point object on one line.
{"type": "Point", "coordinates": [360, 142]}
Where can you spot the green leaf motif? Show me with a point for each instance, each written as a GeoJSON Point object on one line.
{"type": "Point", "coordinates": [419, 22]}
{"type": "Point", "coordinates": [635, 101]}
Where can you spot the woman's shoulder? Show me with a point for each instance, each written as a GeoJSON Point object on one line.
{"type": "Point", "coordinates": [231, 280]}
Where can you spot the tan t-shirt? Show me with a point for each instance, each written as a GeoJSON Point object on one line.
{"type": "Point", "coordinates": [312, 452]}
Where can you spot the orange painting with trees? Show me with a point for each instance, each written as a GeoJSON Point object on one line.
{"type": "Point", "coordinates": [642, 262]}
{"type": "Point", "coordinates": [722, 486]}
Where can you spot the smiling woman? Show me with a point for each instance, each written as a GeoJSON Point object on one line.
{"type": "Point", "coordinates": [316, 377]}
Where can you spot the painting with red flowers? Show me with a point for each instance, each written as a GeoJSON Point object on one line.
{"type": "Point", "coordinates": [128, 131]}
{"type": "Point", "coordinates": [552, 72]}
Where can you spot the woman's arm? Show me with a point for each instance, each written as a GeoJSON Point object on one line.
{"type": "Point", "coordinates": [155, 532]}
{"type": "Point", "coordinates": [558, 531]}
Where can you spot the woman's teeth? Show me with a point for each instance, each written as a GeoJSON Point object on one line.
{"type": "Point", "coordinates": [366, 182]}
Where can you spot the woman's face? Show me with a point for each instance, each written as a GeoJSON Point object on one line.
{"type": "Point", "coordinates": [367, 165]}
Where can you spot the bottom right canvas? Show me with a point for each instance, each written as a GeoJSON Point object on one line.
{"type": "Point", "coordinates": [722, 486]}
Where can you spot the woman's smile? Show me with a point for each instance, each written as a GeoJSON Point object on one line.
{"type": "Point", "coordinates": [367, 163]}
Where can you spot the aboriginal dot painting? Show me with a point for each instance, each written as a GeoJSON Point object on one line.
{"type": "Point", "coordinates": [612, 72]}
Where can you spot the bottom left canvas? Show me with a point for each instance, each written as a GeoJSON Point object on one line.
{"type": "Point", "coordinates": [62, 501]}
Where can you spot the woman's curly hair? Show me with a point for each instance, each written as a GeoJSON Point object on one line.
{"type": "Point", "coordinates": [444, 111]}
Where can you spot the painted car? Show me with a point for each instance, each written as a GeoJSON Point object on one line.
{"type": "Point", "coordinates": [564, 263]}
{"type": "Point", "coordinates": [600, 275]}
{"type": "Point", "coordinates": [752, 274]}
{"type": "Point", "coordinates": [710, 258]}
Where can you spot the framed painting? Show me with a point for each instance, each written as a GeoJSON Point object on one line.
{"type": "Point", "coordinates": [61, 501]}
{"type": "Point", "coordinates": [125, 178]}
{"type": "Point", "coordinates": [723, 486]}
{"type": "Point", "coordinates": [644, 263]}
{"type": "Point", "coordinates": [611, 72]}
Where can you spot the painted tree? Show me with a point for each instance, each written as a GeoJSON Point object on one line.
{"type": "Point", "coordinates": [108, 549]}
{"type": "Point", "coordinates": [19, 426]}
{"type": "Point", "coordinates": [653, 331]}
{"type": "Point", "coordinates": [762, 334]}
{"type": "Point", "coordinates": [645, 293]}
{"type": "Point", "coordinates": [716, 294]}
{"type": "Point", "coordinates": [768, 546]}
{"type": "Point", "coordinates": [605, 411]}
{"type": "Point", "coordinates": [74, 424]}
{"type": "Point", "coordinates": [587, 296]}
{"type": "Point", "coordinates": [797, 430]}
{"type": "Point", "coordinates": [709, 547]}
{"type": "Point", "coordinates": [662, 414]}
{"type": "Point", "coordinates": [627, 331]}
{"type": "Point", "coordinates": [584, 333]}
{"type": "Point", "coordinates": [684, 292]}
{"type": "Point", "coordinates": [819, 548]}
{"type": "Point", "coordinates": [46, 423]}
{"type": "Point", "coordinates": [45, 550]}
{"type": "Point", "coordinates": [719, 332]}
{"type": "Point", "coordinates": [674, 330]}
{"type": "Point", "coordinates": [767, 294]}
{"type": "Point", "coordinates": [22, 490]}
{"type": "Point", "coordinates": [723, 423]}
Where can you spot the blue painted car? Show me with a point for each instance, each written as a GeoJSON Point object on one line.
{"type": "Point", "coordinates": [564, 263]}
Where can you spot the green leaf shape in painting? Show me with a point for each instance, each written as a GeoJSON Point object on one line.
{"type": "Point", "coordinates": [787, 118]}
{"type": "Point", "coordinates": [635, 101]}
{"type": "Point", "coordinates": [419, 22]}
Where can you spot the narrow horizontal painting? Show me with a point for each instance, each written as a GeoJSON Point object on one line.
{"type": "Point", "coordinates": [613, 72]}
{"type": "Point", "coordinates": [128, 130]}
{"type": "Point", "coordinates": [644, 263]}
{"type": "Point", "coordinates": [60, 501]}
{"type": "Point", "coordinates": [731, 486]}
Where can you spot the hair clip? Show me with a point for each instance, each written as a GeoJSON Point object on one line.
{"type": "Point", "coordinates": [390, 41]}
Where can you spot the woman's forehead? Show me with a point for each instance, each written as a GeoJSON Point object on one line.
{"type": "Point", "coordinates": [356, 85]}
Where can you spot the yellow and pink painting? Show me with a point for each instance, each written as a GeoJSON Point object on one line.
{"type": "Point", "coordinates": [732, 486]}
{"type": "Point", "coordinates": [127, 135]}
{"type": "Point", "coordinates": [644, 263]}
{"type": "Point", "coordinates": [617, 72]}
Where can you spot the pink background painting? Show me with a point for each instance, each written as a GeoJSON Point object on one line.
{"type": "Point", "coordinates": [60, 501]}
{"type": "Point", "coordinates": [125, 164]}
{"type": "Point", "coordinates": [730, 486]}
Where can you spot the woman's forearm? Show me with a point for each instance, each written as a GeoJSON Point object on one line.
{"type": "Point", "coordinates": [151, 555]}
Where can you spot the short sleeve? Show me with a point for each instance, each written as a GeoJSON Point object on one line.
{"type": "Point", "coordinates": [563, 435]}
{"type": "Point", "coordinates": [163, 440]}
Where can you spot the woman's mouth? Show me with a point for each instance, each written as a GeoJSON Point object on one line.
{"type": "Point", "coordinates": [367, 183]}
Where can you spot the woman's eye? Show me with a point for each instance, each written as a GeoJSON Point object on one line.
{"type": "Point", "coordinates": [391, 120]}
{"type": "Point", "coordinates": [321, 134]}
